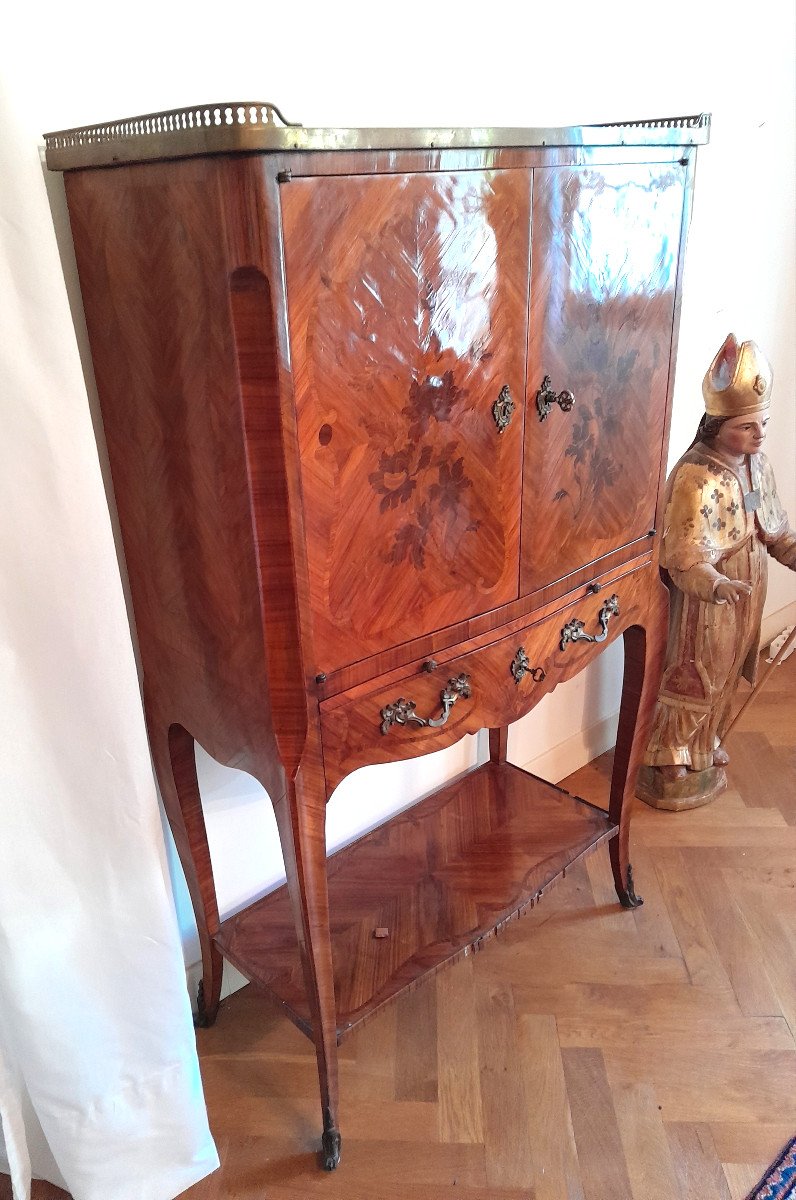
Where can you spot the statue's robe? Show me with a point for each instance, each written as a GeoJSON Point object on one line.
{"type": "Point", "coordinates": [721, 520]}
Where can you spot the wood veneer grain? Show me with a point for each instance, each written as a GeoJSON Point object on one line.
{"type": "Point", "coordinates": [441, 878]}
{"type": "Point", "coordinates": [297, 357]}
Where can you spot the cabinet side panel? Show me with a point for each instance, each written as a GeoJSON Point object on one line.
{"type": "Point", "coordinates": [253, 325]}
{"type": "Point", "coordinates": [150, 244]}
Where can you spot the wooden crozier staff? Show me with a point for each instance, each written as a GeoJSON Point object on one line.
{"type": "Point", "coordinates": [776, 660]}
{"type": "Point", "coordinates": [722, 520]}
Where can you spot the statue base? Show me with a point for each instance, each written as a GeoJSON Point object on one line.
{"type": "Point", "coordinates": [696, 789]}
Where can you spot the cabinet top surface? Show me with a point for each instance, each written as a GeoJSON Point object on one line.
{"type": "Point", "coordinates": [236, 126]}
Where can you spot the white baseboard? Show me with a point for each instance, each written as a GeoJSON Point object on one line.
{"type": "Point", "coordinates": [575, 751]}
{"type": "Point", "coordinates": [232, 981]}
{"type": "Point", "coordinates": [775, 622]}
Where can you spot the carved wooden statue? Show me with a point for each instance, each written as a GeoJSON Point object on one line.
{"type": "Point", "coordinates": [722, 518]}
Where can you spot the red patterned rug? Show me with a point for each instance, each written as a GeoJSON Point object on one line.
{"type": "Point", "coordinates": [780, 1179]}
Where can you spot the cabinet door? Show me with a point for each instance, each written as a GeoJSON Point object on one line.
{"type": "Point", "coordinates": [407, 299]}
{"type": "Point", "coordinates": [605, 250]}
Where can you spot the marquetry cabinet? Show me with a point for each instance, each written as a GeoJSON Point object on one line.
{"type": "Point", "coordinates": [386, 412]}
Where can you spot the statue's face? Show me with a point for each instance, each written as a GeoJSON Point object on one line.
{"type": "Point", "coordinates": [743, 435]}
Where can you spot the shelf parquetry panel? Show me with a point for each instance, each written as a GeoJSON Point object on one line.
{"type": "Point", "coordinates": [440, 878]}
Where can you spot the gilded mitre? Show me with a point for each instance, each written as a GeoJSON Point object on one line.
{"type": "Point", "coordinates": [738, 380]}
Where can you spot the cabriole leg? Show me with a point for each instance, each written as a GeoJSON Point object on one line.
{"type": "Point", "coordinates": [301, 818]}
{"type": "Point", "coordinates": [644, 651]}
{"type": "Point", "coordinates": [175, 766]}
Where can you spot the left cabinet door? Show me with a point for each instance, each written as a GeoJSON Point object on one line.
{"type": "Point", "coordinates": [407, 299]}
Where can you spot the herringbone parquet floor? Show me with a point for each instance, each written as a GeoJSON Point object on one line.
{"type": "Point", "coordinates": [586, 1054]}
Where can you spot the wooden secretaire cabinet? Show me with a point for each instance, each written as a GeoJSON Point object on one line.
{"type": "Point", "coordinates": [386, 413]}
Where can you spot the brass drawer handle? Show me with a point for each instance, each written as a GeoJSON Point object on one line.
{"type": "Point", "coordinates": [521, 666]}
{"type": "Point", "coordinates": [546, 398]}
{"type": "Point", "coordinates": [503, 409]}
{"type": "Point", "coordinates": [574, 631]}
{"type": "Point", "coordinates": [402, 712]}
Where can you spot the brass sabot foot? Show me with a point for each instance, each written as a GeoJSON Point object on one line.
{"type": "Point", "coordinates": [331, 1148]}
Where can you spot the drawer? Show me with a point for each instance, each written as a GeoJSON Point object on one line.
{"type": "Point", "coordinates": [485, 683]}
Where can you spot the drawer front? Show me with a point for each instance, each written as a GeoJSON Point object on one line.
{"type": "Point", "coordinates": [473, 687]}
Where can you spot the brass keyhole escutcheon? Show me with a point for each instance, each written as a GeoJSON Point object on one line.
{"type": "Point", "coordinates": [503, 409]}
{"type": "Point", "coordinates": [521, 666]}
{"type": "Point", "coordinates": [546, 398]}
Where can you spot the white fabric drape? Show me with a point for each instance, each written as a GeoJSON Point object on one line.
{"type": "Point", "coordinates": [99, 1083]}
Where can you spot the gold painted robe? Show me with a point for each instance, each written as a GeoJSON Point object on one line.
{"type": "Point", "coordinates": [710, 534]}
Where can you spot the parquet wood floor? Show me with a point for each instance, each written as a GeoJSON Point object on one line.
{"type": "Point", "coordinates": [586, 1054]}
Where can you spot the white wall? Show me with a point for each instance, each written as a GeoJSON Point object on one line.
{"type": "Point", "coordinates": [468, 64]}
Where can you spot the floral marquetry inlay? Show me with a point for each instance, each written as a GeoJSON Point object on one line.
{"type": "Point", "coordinates": [429, 482]}
{"type": "Point", "coordinates": [428, 276]}
{"type": "Point", "coordinates": [602, 301]}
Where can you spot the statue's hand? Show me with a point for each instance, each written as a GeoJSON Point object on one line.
{"type": "Point", "coordinates": [730, 591]}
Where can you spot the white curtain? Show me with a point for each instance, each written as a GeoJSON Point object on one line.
{"type": "Point", "coordinates": [100, 1090]}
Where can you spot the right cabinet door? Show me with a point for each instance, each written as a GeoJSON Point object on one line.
{"type": "Point", "coordinates": [605, 246]}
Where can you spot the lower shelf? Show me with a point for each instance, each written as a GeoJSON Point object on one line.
{"type": "Point", "coordinates": [439, 878]}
